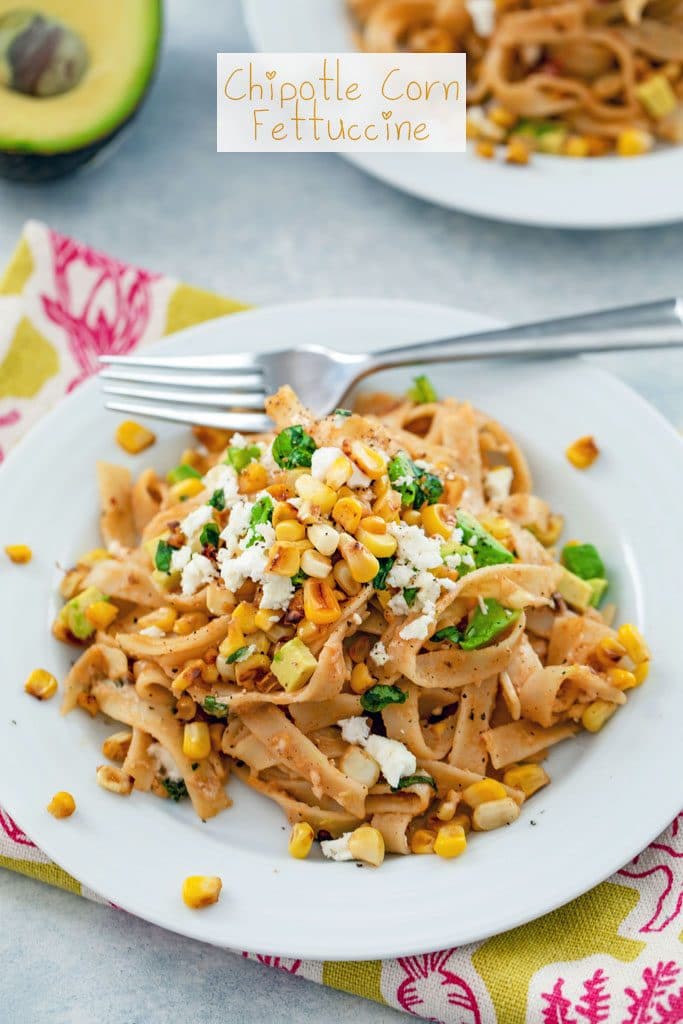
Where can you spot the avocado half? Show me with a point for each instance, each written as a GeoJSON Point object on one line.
{"type": "Point", "coordinates": [73, 73]}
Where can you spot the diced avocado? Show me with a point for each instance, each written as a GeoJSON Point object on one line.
{"type": "Point", "coordinates": [576, 592]}
{"type": "Point", "coordinates": [584, 561]}
{"type": "Point", "coordinates": [547, 136]}
{"type": "Point", "coordinates": [72, 74]}
{"type": "Point", "coordinates": [73, 615]}
{"type": "Point", "coordinates": [487, 550]}
{"type": "Point", "coordinates": [166, 580]}
{"type": "Point", "coordinates": [599, 588]}
{"type": "Point", "coordinates": [293, 665]}
{"type": "Point", "coordinates": [467, 563]}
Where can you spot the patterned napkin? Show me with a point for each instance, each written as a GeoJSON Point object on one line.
{"type": "Point", "coordinates": [612, 955]}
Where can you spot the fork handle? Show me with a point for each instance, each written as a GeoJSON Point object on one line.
{"type": "Point", "coordinates": [645, 326]}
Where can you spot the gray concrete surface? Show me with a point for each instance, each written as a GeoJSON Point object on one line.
{"type": "Point", "coordinates": [270, 229]}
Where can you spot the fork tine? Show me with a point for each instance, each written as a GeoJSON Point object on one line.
{"type": "Point", "coordinates": [233, 364]}
{"type": "Point", "coordinates": [177, 378]}
{"type": "Point", "coordinates": [236, 399]}
{"type": "Point", "coordinates": [243, 421]}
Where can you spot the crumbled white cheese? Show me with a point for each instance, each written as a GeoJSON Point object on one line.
{"type": "Point", "coordinates": [322, 459]}
{"type": "Point", "coordinates": [415, 547]}
{"type": "Point", "coordinates": [152, 631]}
{"type": "Point", "coordinates": [398, 604]}
{"type": "Point", "coordinates": [193, 523]}
{"type": "Point", "coordinates": [393, 758]}
{"type": "Point", "coordinates": [164, 762]}
{"type": "Point", "coordinates": [278, 591]}
{"type": "Point", "coordinates": [379, 654]}
{"type": "Point", "coordinates": [337, 849]}
{"type": "Point", "coordinates": [400, 575]}
{"type": "Point", "coordinates": [180, 558]}
{"type": "Point", "coordinates": [419, 628]}
{"type": "Point", "coordinates": [197, 573]}
{"type": "Point", "coordinates": [238, 440]}
{"type": "Point", "coordinates": [223, 478]}
{"type": "Point", "coordinates": [267, 460]}
{"type": "Point", "coordinates": [250, 564]}
{"type": "Point", "coordinates": [483, 14]}
{"type": "Point", "coordinates": [497, 483]}
{"type": "Point", "coordinates": [354, 730]}
{"type": "Point", "coordinates": [237, 526]}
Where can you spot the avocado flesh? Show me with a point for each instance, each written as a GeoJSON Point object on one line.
{"type": "Point", "coordinates": [43, 137]}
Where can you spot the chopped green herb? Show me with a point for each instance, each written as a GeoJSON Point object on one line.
{"type": "Point", "coordinates": [209, 535]}
{"type": "Point", "coordinates": [182, 472]}
{"type": "Point", "coordinates": [450, 633]}
{"type": "Point", "coordinates": [422, 391]}
{"type": "Point", "coordinates": [584, 561]}
{"type": "Point", "coordinates": [380, 580]}
{"type": "Point", "coordinates": [342, 412]}
{"type": "Point", "coordinates": [163, 556]}
{"type": "Point", "coordinates": [414, 780]}
{"type": "Point", "coordinates": [409, 595]}
{"type": "Point", "coordinates": [239, 458]}
{"type": "Point", "coordinates": [215, 707]}
{"type": "Point", "coordinates": [238, 655]}
{"type": "Point", "coordinates": [293, 448]}
{"type": "Point", "coordinates": [176, 789]}
{"type": "Point", "coordinates": [537, 129]}
{"type": "Point", "coordinates": [486, 550]}
{"type": "Point", "coordinates": [378, 697]}
{"type": "Point", "coordinates": [299, 578]}
{"type": "Point", "coordinates": [416, 486]}
{"type": "Point", "coordinates": [261, 513]}
{"type": "Point", "coordinates": [217, 500]}
{"type": "Point", "coordinates": [485, 627]}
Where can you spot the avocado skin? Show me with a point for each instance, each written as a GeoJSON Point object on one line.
{"type": "Point", "coordinates": [36, 168]}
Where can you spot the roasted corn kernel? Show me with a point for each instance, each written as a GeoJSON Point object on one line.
{"type": "Point", "coordinates": [362, 564]}
{"type": "Point", "coordinates": [634, 142]}
{"type": "Point", "coordinates": [324, 538]}
{"type": "Point", "coordinates": [464, 820]}
{"type": "Point", "coordinates": [185, 489]}
{"type": "Point", "coordinates": [284, 559]}
{"type": "Point", "coordinates": [361, 680]}
{"type": "Point", "coordinates": [422, 841]}
{"type": "Point", "coordinates": [116, 746]}
{"type": "Point", "coordinates": [348, 512]}
{"type": "Point", "coordinates": [367, 844]}
{"type": "Point", "coordinates": [583, 452]}
{"type": "Point", "coordinates": [622, 678]}
{"type": "Point", "coordinates": [368, 460]}
{"type": "Point", "coordinates": [494, 814]}
{"type": "Point", "coordinates": [527, 777]}
{"type": "Point", "coordinates": [162, 618]}
{"type": "Point", "coordinates": [20, 554]}
{"type": "Point", "coordinates": [641, 672]}
{"type": "Point", "coordinates": [344, 579]}
{"type": "Point", "coordinates": [502, 117]}
{"type": "Point", "coordinates": [483, 792]}
{"type": "Point", "coordinates": [101, 614]}
{"type": "Point", "coordinates": [316, 565]}
{"type": "Point", "coordinates": [486, 149]}
{"type": "Point", "coordinates": [244, 618]}
{"type": "Point", "coordinates": [316, 492]}
{"type": "Point", "coordinates": [290, 530]}
{"type": "Point", "coordinates": [133, 437]}
{"type": "Point", "coordinates": [596, 714]}
{"type": "Point", "coordinates": [62, 805]}
{"type": "Point", "coordinates": [201, 891]}
{"type": "Point", "coordinates": [339, 472]}
{"type": "Point", "coordinates": [320, 604]}
{"type": "Point", "coordinates": [251, 672]}
{"type": "Point", "coordinates": [41, 684]}
{"type": "Point", "coordinates": [253, 478]}
{"type": "Point", "coordinates": [609, 651]}
{"type": "Point", "coordinates": [114, 779]}
{"type": "Point", "coordinates": [186, 708]}
{"type": "Point", "coordinates": [634, 642]}
{"type": "Point", "coordinates": [381, 545]}
{"type": "Point", "coordinates": [577, 146]}
{"type": "Point", "coordinates": [265, 619]}
{"type": "Point", "coordinates": [190, 623]}
{"type": "Point", "coordinates": [212, 438]}
{"type": "Point", "coordinates": [196, 740]}
{"type": "Point", "coordinates": [412, 517]}
{"type": "Point", "coordinates": [446, 809]}
{"type": "Point", "coordinates": [88, 702]}
{"type": "Point", "coordinates": [360, 766]}
{"type": "Point", "coordinates": [450, 841]}
{"type": "Point", "coordinates": [437, 521]}
{"type": "Point", "coordinates": [517, 151]}
{"type": "Point", "coordinates": [301, 840]}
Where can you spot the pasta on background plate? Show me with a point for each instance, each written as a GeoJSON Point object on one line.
{"type": "Point", "coordinates": [363, 617]}
{"type": "Point", "coordinates": [573, 77]}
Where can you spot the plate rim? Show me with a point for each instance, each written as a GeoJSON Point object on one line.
{"type": "Point", "coordinates": [193, 927]}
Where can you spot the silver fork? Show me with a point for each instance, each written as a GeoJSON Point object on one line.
{"type": "Point", "coordinates": [229, 391]}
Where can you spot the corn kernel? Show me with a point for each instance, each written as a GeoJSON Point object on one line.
{"type": "Point", "coordinates": [162, 618]}
{"type": "Point", "coordinates": [450, 841]}
{"type": "Point", "coordinates": [320, 604]}
{"type": "Point", "coordinates": [253, 478]}
{"type": "Point", "coordinates": [447, 807]}
{"type": "Point", "coordinates": [486, 149]}
{"type": "Point", "coordinates": [348, 512]}
{"type": "Point", "coordinates": [186, 708]}
{"type": "Point", "coordinates": [191, 674]}
{"type": "Point", "coordinates": [583, 452]}
{"type": "Point", "coordinates": [464, 820]}
{"type": "Point", "coordinates": [324, 538]}
{"type": "Point", "coordinates": [361, 680]}
{"type": "Point", "coordinates": [196, 740]}
{"type": "Point", "coordinates": [609, 651]}
{"type": "Point", "coordinates": [301, 840]}
{"type": "Point", "coordinates": [344, 579]}
{"type": "Point", "coordinates": [189, 623]}
{"type": "Point", "coordinates": [362, 564]}
{"type": "Point", "coordinates": [244, 617]}
{"type": "Point", "coordinates": [251, 672]}
{"type": "Point", "coordinates": [494, 814]}
{"type": "Point", "coordinates": [114, 779]}
{"type": "Point", "coordinates": [265, 619]}
{"type": "Point", "coordinates": [234, 639]}
{"type": "Point", "coordinates": [101, 614]}
{"type": "Point", "coordinates": [185, 489]}
{"type": "Point", "coordinates": [316, 565]}
{"type": "Point", "coordinates": [290, 530]}
{"type": "Point", "coordinates": [502, 117]}
{"type": "Point", "coordinates": [552, 533]}
{"type": "Point", "coordinates": [622, 678]}
{"type": "Point", "coordinates": [368, 460]}
{"type": "Point", "coordinates": [41, 684]}
{"type": "Point", "coordinates": [283, 513]}
{"type": "Point", "coordinates": [411, 517]}
{"type": "Point", "coordinates": [219, 601]}
{"type": "Point", "coordinates": [388, 503]}
{"type": "Point", "coordinates": [116, 746]}
{"type": "Point", "coordinates": [358, 765]}
{"type": "Point", "coordinates": [339, 472]}
{"type": "Point", "coordinates": [212, 438]}
{"type": "Point", "coordinates": [367, 844]}
{"type": "Point", "coordinates": [20, 554]}
{"type": "Point", "coordinates": [422, 841]}
{"type": "Point", "coordinates": [62, 805]}
{"type": "Point", "coordinates": [596, 714]}
{"type": "Point", "coordinates": [283, 559]}
{"type": "Point", "coordinates": [527, 777]}
{"type": "Point", "coordinates": [437, 521]}
{"type": "Point", "coordinates": [307, 631]}
{"type": "Point", "coordinates": [517, 151]}
{"type": "Point", "coordinates": [577, 146]}
{"type": "Point", "coordinates": [634, 642]}
{"type": "Point", "coordinates": [133, 437]}
{"type": "Point", "coordinates": [88, 702]}
{"type": "Point", "coordinates": [641, 672]}
{"type": "Point", "coordinates": [201, 891]}
{"type": "Point", "coordinates": [633, 142]}
{"type": "Point", "coordinates": [381, 545]}
{"type": "Point", "coordinates": [317, 493]}
{"type": "Point", "coordinates": [483, 792]}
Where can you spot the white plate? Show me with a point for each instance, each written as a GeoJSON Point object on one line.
{"type": "Point", "coordinates": [602, 807]}
{"type": "Point", "coordinates": [610, 192]}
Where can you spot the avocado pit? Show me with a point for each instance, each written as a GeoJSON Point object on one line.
{"type": "Point", "coordinates": [39, 55]}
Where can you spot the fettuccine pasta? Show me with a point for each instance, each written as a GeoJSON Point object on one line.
{"type": "Point", "coordinates": [364, 617]}
{"type": "Point", "coordinates": [572, 77]}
